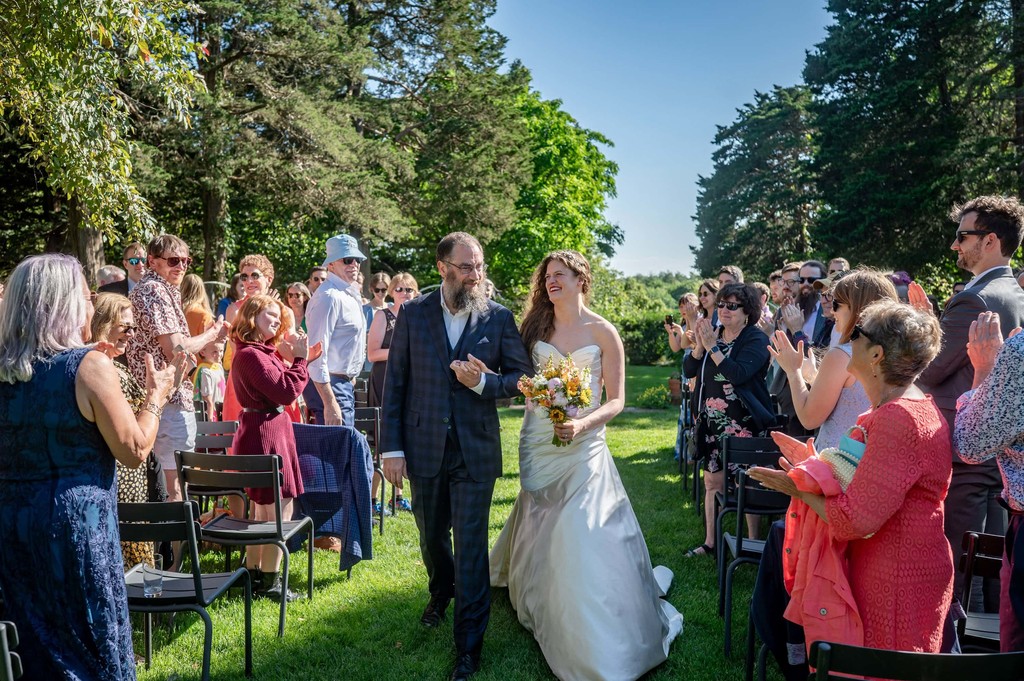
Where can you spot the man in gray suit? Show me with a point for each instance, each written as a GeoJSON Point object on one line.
{"type": "Point", "coordinates": [989, 232]}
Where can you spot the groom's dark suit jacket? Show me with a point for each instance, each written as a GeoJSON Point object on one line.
{"type": "Point", "coordinates": [423, 401]}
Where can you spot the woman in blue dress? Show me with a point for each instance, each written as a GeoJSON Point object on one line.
{"type": "Point", "coordinates": [63, 422]}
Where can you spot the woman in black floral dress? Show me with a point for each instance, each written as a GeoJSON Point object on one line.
{"type": "Point", "coordinates": [730, 364]}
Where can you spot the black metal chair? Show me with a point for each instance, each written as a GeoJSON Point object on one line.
{"type": "Point", "coordinates": [178, 521]}
{"type": "Point", "coordinates": [361, 388]}
{"type": "Point", "coordinates": [982, 557]}
{"type": "Point", "coordinates": [367, 422]}
{"type": "Point", "coordinates": [741, 452]}
{"type": "Point", "coordinates": [215, 437]}
{"type": "Point", "coordinates": [236, 471]}
{"type": "Point", "coordinates": [838, 661]}
{"type": "Point", "coordinates": [10, 662]}
{"type": "Point", "coordinates": [755, 500]}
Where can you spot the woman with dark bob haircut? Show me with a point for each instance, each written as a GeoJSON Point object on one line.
{"type": "Point", "coordinates": [730, 364]}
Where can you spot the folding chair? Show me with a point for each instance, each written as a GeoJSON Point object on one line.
{"type": "Point", "coordinates": [177, 521]}
{"type": "Point", "coordinates": [752, 499]}
{"type": "Point", "coordinates": [10, 662]}
{"type": "Point", "coordinates": [838, 661]}
{"type": "Point", "coordinates": [236, 471]}
{"type": "Point", "coordinates": [741, 452]}
{"type": "Point", "coordinates": [982, 557]}
{"type": "Point", "coordinates": [361, 387]}
{"type": "Point", "coordinates": [367, 422]}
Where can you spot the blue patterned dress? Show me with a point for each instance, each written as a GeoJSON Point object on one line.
{"type": "Point", "coordinates": [60, 562]}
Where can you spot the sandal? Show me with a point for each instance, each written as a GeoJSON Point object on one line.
{"type": "Point", "coordinates": [702, 550]}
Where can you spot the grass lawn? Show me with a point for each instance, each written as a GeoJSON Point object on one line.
{"type": "Point", "coordinates": [640, 378]}
{"type": "Point", "coordinates": [367, 628]}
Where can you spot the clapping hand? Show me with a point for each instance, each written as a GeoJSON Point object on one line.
{"type": "Point", "coordinates": [792, 317]}
{"type": "Point", "coordinates": [984, 341]}
{"type": "Point", "coordinates": [788, 357]}
{"type": "Point", "coordinates": [160, 382]}
{"type": "Point", "coordinates": [918, 298]}
{"type": "Point", "coordinates": [793, 451]}
{"type": "Point", "coordinates": [705, 334]}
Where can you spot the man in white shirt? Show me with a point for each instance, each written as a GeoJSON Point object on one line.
{"type": "Point", "coordinates": [334, 317]}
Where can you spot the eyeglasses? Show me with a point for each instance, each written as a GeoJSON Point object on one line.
{"type": "Point", "coordinates": [732, 307]}
{"type": "Point", "coordinates": [349, 261]}
{"type": "Point", "coordinates": [790, 282]}
{"type": "Point", "coordinates": [255, 276]}
{"type": "Point", "coordinates": [836, 304]}
{"type": "Point", "coordinates": [469, 269]}
{"type": "Point", "coordinates": [381, 291]}
{"type": "Point", "coordinates": [858, 332]}
{"type": "Point", "coordinates": [961, 235]}
{"type": "Point", "coordinates": [175, 261]}
{"type": "Point", "coordinates": [294, 295]}
{"type": "Point", "coordinates": [831, 272]}
{"type": "Point", "coordinates": [404, 289]}
{"type": "Point", "coordinates": [809, 280]}
{"type": "Point", "coordinates": [135, 262]}
{"type": "Point", "coordinates": [129, 328]}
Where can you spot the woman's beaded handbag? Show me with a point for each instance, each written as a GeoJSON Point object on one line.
{"type": "Point", "coordinates": [844, 459]}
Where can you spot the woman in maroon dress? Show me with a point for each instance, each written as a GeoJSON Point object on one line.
{"type": "Point", "coordinates": [265, 384]}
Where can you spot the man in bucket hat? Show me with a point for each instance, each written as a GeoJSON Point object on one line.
{"type": "Point", "coordinates": [334, 317]}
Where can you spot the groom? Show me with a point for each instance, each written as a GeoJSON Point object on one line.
{"type": "Point", "coordinates": [440, 430]}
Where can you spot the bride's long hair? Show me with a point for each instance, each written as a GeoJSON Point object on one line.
{"type": "Point", "coordinates": [539, 319]}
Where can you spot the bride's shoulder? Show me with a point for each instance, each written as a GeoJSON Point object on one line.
{"type": "Point", "coordinates": [604, 331]}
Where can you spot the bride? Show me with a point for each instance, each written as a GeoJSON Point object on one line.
{"type": "Point", "coordinates": [571, 554]}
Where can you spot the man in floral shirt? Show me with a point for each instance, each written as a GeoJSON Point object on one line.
{"type": "Point", "coordinates": [161, 329]}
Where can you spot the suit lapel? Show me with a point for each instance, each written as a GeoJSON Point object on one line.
{"type": "Point", "coordinates": [473, 332]}
{"type": "Point", "coordinates": [438, 334]}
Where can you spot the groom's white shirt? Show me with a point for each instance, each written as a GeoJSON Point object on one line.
{"type": "Point", "coordinates": [454, 325]}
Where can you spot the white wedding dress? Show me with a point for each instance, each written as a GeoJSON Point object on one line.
{"type": "Point", "coordinates": [574, 559]}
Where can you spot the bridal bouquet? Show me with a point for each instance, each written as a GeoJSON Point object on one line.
{"type": "Point", "coordinates": [562, 389]}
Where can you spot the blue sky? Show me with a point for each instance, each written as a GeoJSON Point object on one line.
{"type": "Point", "coordinates": [656, 77]}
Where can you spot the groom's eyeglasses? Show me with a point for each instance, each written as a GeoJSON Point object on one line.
{"type": "Point", "coordinates": [468, 269]}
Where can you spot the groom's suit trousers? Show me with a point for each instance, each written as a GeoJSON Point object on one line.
{"type": "Point", "coordinates": [452, 499]}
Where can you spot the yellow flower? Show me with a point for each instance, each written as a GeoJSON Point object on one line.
{"type": "Point", "coordinates": [557, 415]}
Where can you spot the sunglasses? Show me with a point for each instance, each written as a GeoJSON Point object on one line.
{"type": "Point", "coordinates": [294, 295]}
{"type": "Point", "coordinates": [732, 307]}
{"type": "Point", "coordinates": [349, 261]}
{"type": "Point", "coordinates": [858, 332]}
{"type": "Point", "coordinates": [255, 276]}
{"type": "Point", "coordinates": [381, 291]}
{"type": "Point", "coordinates": [960, 236]}
{"type": "Point", "coordinates": [405, 289]}
{"type": "Point", "coordinates": [135, 262]}
{"type": "Point", "coordinates": [175, 261]}
{"type": "Point", "coordinates": [809, 280]}
{"type": "Point", "coordinates": [129, 328]}
{"type": "Point", "coordinates": [836, 304]}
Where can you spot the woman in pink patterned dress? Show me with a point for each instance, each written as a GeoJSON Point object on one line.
{"type": "Point", "coordinates": [900, 564]}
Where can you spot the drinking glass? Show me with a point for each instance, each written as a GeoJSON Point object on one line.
{"type": "Point", "coordinates": [152, 580]}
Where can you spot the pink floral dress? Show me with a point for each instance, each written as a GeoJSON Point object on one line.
{"type": "Point", "coordinates": [721, 413]}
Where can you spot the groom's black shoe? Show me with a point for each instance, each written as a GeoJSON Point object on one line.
{"type": "Point", "coordinates": [465, 666]}
{"type": "Point", "coordinates": [434, 612]}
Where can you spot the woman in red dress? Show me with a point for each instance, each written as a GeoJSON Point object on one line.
{"type": "Point", "coordinates": [265, 384]}
{"type": "Point", "coordinates": [900, 564]}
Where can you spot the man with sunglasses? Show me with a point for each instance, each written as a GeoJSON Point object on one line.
{"type": "Point", "coordinates": [161, 331]}
{"type": "Point", "coordinates": [335, 318]}
{"type": "Point", "coordinates": [134, 261]}
{"type": "Point", "coordinates": [989, 231]}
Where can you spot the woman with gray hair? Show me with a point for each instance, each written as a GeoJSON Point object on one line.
{"type": "Point", "coordinates": [887, 520]}
{"type": "Point", "coordinates": [57, 471]}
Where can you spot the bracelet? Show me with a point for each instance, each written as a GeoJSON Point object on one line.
{"type": "Point", "coordinates": [153, 409]}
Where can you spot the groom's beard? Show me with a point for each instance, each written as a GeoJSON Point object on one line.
{"type": "Point", "coordinates": [459, 297]}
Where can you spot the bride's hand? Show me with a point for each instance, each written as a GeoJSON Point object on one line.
{"type": "Point", "coordinates": [568, 430]}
